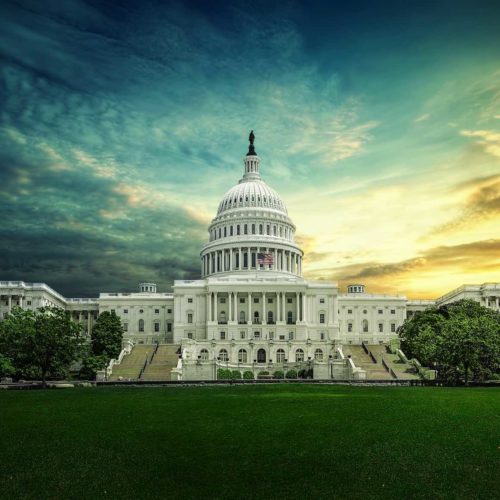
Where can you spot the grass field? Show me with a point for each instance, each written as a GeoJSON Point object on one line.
{"type": "Point", "coordinates": [250, 442]}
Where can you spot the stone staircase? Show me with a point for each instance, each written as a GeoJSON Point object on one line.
{"type": "Point", "coordinates": [131, 365]}
{"type": "Point", "coordinates": [164, 359]}
{"type": "Point", "coordinates": [403, 371]}
{"type": "Point", "coordinates": [374, 370]}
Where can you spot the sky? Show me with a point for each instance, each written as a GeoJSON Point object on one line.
{"type": "Point", "coordinates": [122, 125]}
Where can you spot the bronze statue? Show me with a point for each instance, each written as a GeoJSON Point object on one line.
{"type": "Point", "coordinates": [251, 148]}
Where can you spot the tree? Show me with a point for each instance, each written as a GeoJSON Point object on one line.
{"type": "Point", "coordinates": [461, 339]}
{"type": "Point", "coordinates": [42, 343]}
{"type": "Point", "coordinates": [107, 335]}
{"type": "Point", "coordinates": [6, 367]}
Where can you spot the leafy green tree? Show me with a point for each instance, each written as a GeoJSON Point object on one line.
{"type": "Point", "coordinates": [461, 339]}
{"type": "Point", "coordinates": [107, 335]}
{"type": "Point", "coordinates": [40, 343]}
{"type": "Point", "coordinates": [91, 364]}
{"type": "Point", "coordinates": [6, 367]}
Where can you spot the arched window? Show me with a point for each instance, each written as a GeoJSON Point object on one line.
{"type": "Point", "coordinates": [299, 355]}
{"type": "Point", "coordinates": [261, 356]}
{"type": "Point", "coordinates": [204, 355]}
{"type": "Point", "coordinates": [365, 325]}
{"type": "Point", "coordinates": [289, 317]}
{"type": "Point", "coordinates": [260, 229]}
{"type": "Point", "coordinates": [274, 230]}
{"type": "Point", "coordinates": [242, 317]}
{"type": "Point", "coordinates": [225, 231]}
{"type": "Point", "coordinates": [141, 325]}
{"type": "Point", "coordinates": [270, 317]}
{"type": "Point", "coordinates": [242, 356]}
{"type": "Point", "coordinates": [318, 355]}
{"type": "Point", "coordinates": [256, 317]}
{"type": "Point", "coordinates": [223, 355]}
{"type": "Point", "coordinates": [268, 229]}
{"type": "Point", "coordinates": [238, 229]}
{"type": "Point", "coordinates": [280, 356]}
{"type": "Point", "coordinates": [230, 230]}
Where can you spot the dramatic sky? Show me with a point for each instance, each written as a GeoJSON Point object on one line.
{"type": "Point", "coordinates": [122, 125]}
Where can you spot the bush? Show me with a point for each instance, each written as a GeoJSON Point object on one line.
{"type": "Point", "coordinates": [278, 374]}
{"type": "Point", "coordinates": [248, 375]}
{"type": "Point", "coordinates": [263, 374]}
{"type": "Point", "coordinates": [302, 373]}
{"type": "Point", "coordinates": [291, 374]}
{"type": "Point", "coordinates": [236, 375]}
{"type": "Point", "coordinates": [223, 374]}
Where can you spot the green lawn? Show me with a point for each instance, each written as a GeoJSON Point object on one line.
{"type": "Point", "coordinates": [279, 441]}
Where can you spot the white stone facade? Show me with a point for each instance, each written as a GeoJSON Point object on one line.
{"type": "Point", "coordinates": [251, 305]}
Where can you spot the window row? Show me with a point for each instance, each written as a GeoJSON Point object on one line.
{"type": "Point", "coordinates": [239, 229]}
{"type": "Point", "coordinates": [140, 326]}
{"type": "Point", "coordinates": [299, 355]}
{"type": "Point", "coordinates": [380, 311]}
{"type": "Point", "coordinates": [364, 326]}
{"type": "Point", "coordinates": [141, 311]}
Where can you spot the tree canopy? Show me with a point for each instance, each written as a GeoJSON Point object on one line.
{"type": "Point", "coordinates": [40, 344]}
{"type": "Point", "coordinates": [462, 340]}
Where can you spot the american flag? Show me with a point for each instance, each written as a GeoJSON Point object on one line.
{"type": "Point", "coordinates": [265, 258]}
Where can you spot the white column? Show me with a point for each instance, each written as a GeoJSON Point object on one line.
{"type": "Point", "coordinates": [21, 301]}
{"type": "Point", "coordinates": [88, 322]}
{"type": "Point", "coordinates": [283, 306]}
{"type": "Point", "coordinates": [209, 296]}
{"type": "Point", "coordinates": [303, 307]}
{"type": "Point", "coordinates": [216, 316]}
{"type": "Point", "coordinates": [9, 305]}
{"type": "Point", "coordinates": [240, 264]}
{"type": "Point", "coordinates": [297, 307]}
{"type": "Point", "coordinates": [289, 262]}
{"type": "Point", "coordinates": [264, 318]}
{"type": "Point", "coordinates": [249, 319]}
{"type": "Point", "coordinates": [230, 298]}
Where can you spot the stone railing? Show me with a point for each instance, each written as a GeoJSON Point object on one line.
{"type": "Point", "coordinates": [126, 350]}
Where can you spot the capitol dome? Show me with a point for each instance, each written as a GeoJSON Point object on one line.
{"type": "Point", "coordinates": [251, 230]}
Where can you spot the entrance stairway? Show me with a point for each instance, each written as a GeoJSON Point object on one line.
{"type": "Point", "coordinates": [131, 365]}
{"type": "Point", "coordinates": [402, 370]}
{"type": "Point", "coordinates": [374, 370]}
{"type": "Point", "coordinates": [164, 359]}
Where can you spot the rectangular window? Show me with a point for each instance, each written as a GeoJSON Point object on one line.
{"type": "Point", "coordinates": [271, 335]}
{"type": "Point", "coordinates": [222, 300]}
{"type": "Point", "coordinates": [256, 335]}
{"type": "Point", "coordinates": [190, 317]}
{"type": "Point", "coordinates": [223, 335]}
{"type": "Point", "coordinates": [380, 311]}
{"type": "Point", "coordinates": [125, 311]}
{"type": "Point", "coordinates": [157, 327]}
{"type": "Point", "coordinates": [322, 318]}
{"type": "Point", "coordinates": [349, 311]}
{"type": "Point", "coordinates": [289, 301]}
{"type": "Point", "coordinates": [242, 301]}
{"type": "Point", "coordinates": [190, 335]}
{"type": "Point", "coordinates": [282, 337]}
{"type": "Point", "coordinates": [322, 335]}
{"type": "Point", "coordinates": [169, 311]}
{"type": "Point", "coordinates": [169, 327]}
{"type": "Point", "coordinates": [380, 327]}
{"type": "Point", "coordinates": [28, 302]}
{"type": "Point", "coordinates": [321, 301]}
{"type": "Point", "coordinates": [393, 327]}
{"type": "Point", "coordinates": [255, 300]}
{"type": "Point", "coordinates": [290, 335]}
{"type": "Point", "coordinates": [157, 311]}
{"type": "Point", "coordinates": [125, 327]}
{"type": "Point", "coordinates": [242, 335]}
{"type": "Point", "coordinates": [190, 301]}
{"type": "Point", "coordinates": [269, 301]}
{"type": "Point", "coordinates": [349, 327]}
{"type": "Point", "coordinates": [393, 311]}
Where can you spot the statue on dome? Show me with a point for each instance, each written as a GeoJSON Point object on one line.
{"type": "Point", "coordinates": [251, 148]}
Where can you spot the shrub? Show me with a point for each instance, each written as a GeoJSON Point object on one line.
{"type": "Point", "coordinates": [248, 375]}
{"type": "Point", "coordinates": [278, 374]}
{"type": "Point", "coordinates": [302, 373]}
{"type": "Point", "coordinates": [223, 374]}
{"type": "Point", "coordinates": [263, 374]}
{"type": "Point", "coordinates": [291, 374]}
{"type": "Point", "coordinates": [236, 375]}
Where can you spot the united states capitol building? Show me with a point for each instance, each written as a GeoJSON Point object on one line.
{"type": "Point", "coordinates": [251, 309]}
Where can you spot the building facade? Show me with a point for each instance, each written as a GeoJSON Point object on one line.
{"type": "Point", "coordinates": [251, 304]}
